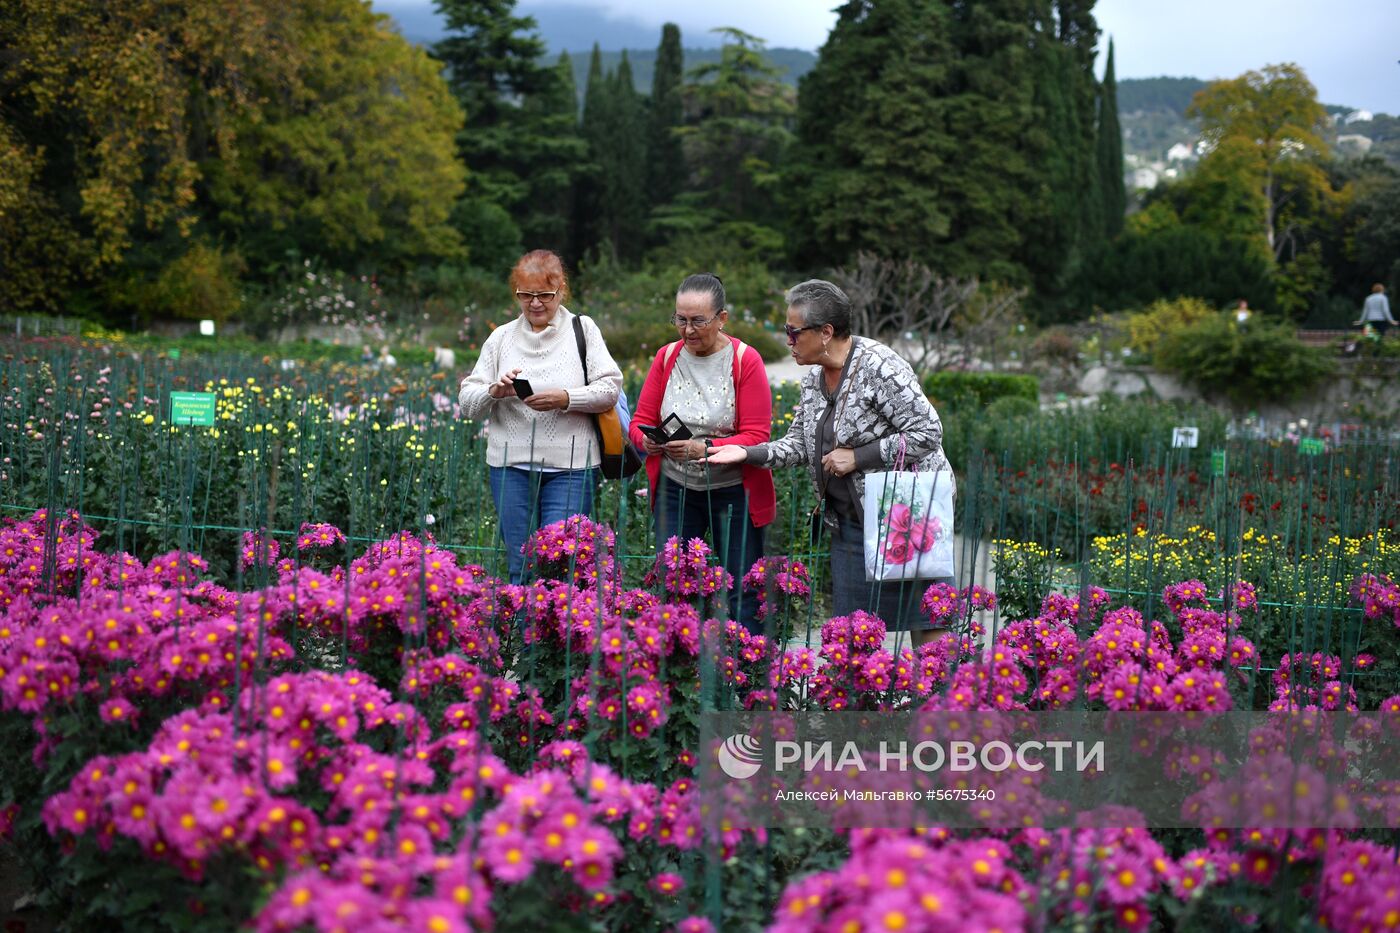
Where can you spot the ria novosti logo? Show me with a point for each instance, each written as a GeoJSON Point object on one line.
{"type": "Point", "coordinates": [740, 756]}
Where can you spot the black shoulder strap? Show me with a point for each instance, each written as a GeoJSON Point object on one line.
{"type": "Point", "coordinates": [582, 346]}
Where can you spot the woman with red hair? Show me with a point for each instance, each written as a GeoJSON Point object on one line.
{"type": "Point", "coordinates": [529, 384]}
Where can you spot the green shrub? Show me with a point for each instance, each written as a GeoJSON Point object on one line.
{"type": "Point", "coordinates": [1148, 326]}
{"type": "Point", "coordinates": [961, 391]}
{"type": "Point", "coordinates": [607, 291]}
{"type": "Point", "coordinates": [1331, 312]}
{"type": "Point", "coordinates": [755, 335]}
{"type": "Point", "coordinates": [1011, 406]}
{"type": "Point", "coordinates": [1110, 428]}
{"type": "Point", "coordinates": [202, 283]}
{"type": "Point", "coordinates": [639, 338]}
{"type": "Point", "coordinates": [1057, 347]}
{"type": "Point", "coordinates": [1248, 364]}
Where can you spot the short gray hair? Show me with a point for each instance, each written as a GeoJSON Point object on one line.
{"type": "Point", "coordinates": [820, 302]}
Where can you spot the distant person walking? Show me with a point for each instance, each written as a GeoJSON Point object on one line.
{"type": "Point", "coordinates": [1376, 310]}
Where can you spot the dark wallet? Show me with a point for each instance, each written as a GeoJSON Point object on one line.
{"type": "Point", "coordinates": [672, 429]}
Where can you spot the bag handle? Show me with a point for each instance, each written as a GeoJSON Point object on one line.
{"type": "Point", "coordinates": [671, 351]}
{"type": "Point", "coordinates": [582, 346]}
{"type": "Point", "coordinates": [899, 458]}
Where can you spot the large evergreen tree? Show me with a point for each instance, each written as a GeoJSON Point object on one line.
{"type": "Point", "coordinates": [612, 196]}
{"type": "Point", "coordinates": [588, 198]}
{"type": "Point", "coordinates": [1065, 218]}
{"type": "Point", "coordinates": [625, 165]}
{"type": "Point", "coordinates": [736, 135]}
{"type": "Point", "coordinates": [665, 157]}
{"type": "Point", "coordinates": [867, 170]}
{"type": "Point", "coordinates": [956, 134]}
{"type": "Point", "coordinates": [991, 189]}
{"type": "Point", "coordinates": [554, 156]}
{"type": "Point", "coordinates": [509, 145]}
{"type": "Point", "coordinates": [1108, 153]}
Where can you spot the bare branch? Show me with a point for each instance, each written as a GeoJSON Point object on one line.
{"type": "Point", "coordinates": [933, 321]}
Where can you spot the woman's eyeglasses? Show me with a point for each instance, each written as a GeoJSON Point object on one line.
{"type": "Point", "coordinates": [684, 323]}
{"type": "Point", "coordinates": [792, 332]}
{"type": "Point", "coordinates": [528, 297]}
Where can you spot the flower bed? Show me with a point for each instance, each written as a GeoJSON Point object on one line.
{"type": "Point", "coordinates": [401, 741]}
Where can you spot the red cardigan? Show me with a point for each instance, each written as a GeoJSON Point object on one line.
{"type": "Point", "coordinates": [753, 413]}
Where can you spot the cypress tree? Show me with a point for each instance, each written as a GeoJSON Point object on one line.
{"type": "Point", "coordinates": [993, 185]}
{"type": "Point", "coordinates": [554, 152]}
{"type": "Point", "coordinates": [665, 156]}
{"type": "Point", "coordinates": [594, 95]}
{"type": "Point", "coordinates": [626, 165]}
{"type": "Point", "coordinates": [613, 189]}
{"type": "Point", "coordinates": [1113, 199]}
{"type": "Point", "coordinates": [1066, 220]}
{"type": "Point", "coordinates": [958, 134]}
{"type": "Point", "coordinates": [588, 199]}
{"type": "Point", "coordinates": [869, 170]}
{"type": "Point", "coordinates": [1066, 217]}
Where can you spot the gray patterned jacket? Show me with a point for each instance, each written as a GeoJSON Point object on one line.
{"type": "Point", "coordinates": [881, 400]}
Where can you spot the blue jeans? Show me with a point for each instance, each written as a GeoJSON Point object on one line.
{"type": "Point", "coordinates": [724, 513]}
{"type": "Point", "coordinates": [529, 499]}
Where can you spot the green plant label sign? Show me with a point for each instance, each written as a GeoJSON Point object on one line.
{"type": "Point", "coordinates": [1311, 446]}
{"type": "Point", "coordinates": [173, 353]}
{"type": "Point", "coordinates": [1217, 463]}
{"type": "Point", "coordinates": [196, 408]}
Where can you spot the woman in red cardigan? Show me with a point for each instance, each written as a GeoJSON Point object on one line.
{"type": "Point", "coordinates": [716, 386]}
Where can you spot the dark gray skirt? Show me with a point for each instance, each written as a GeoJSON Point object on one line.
{"type": "Point", "coordinates": [897, 602]}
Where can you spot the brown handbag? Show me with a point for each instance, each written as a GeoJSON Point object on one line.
{"type": "Point", "coordinates": [618, 458]}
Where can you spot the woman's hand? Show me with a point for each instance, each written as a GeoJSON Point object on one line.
{"type": "Point", "coordinates": [652, 448]}
{"type": "Point", "coordinates": [681, 451]}
{"type": "Point", "coordinates": [503, 387]}
{"type": "Point", "coordinates": [549, 400]}
{"type": "Point", "coordinates": [729, 453]}
{"type": "Point", "coordinates": [840, 462]}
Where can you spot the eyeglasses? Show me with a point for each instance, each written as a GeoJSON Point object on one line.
{"type": "Point", "coordinates": [792, 332]}
{"type": "Point", "coordinates": [695, 322]}
{"type": "Point", "coordinates": [528, 297]}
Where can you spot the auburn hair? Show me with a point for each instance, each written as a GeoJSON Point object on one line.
{"type": "Point", "coordinates": [541, 262]}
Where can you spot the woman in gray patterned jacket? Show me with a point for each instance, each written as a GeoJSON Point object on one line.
{"type": "Point", "coordinates": [858, 400]}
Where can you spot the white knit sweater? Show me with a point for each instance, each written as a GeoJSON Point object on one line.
{"type": "Point", "coordinates": [516, 435]}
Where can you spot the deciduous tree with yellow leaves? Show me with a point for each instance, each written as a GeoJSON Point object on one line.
{"type": "Point", "coordinates": [135, 131]}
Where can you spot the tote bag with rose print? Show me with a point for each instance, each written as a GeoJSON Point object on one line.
{"type": "Point", "coordinates": [908, 524]}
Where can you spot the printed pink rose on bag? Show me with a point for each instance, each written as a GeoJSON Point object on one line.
{"type": "Point", "coordinates": [906, 538]}
{"type": "Point", "coordinates": [909, 524]}
{"type": "Point", "coordinates": [923, 535]}
{"type": "Point", "coordinates": [897, 550]}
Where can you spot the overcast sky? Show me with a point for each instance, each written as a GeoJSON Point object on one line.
{"type": "Point", "coordinates": [1349, 48]}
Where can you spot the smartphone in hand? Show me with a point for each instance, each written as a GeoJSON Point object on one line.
{"type": "Point", "coordinates": [522, 387]}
